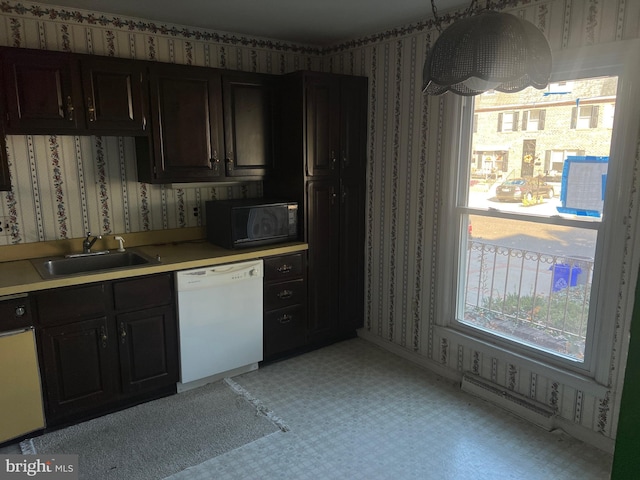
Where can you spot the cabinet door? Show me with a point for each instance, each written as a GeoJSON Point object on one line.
{"type": "Point", "coordinates": [186, 111]}
{"type": "Point", "coordinates": [248, 123]}
{"type": "Point", "coordinates": [323, 228]}
{"type": "Point", "coordinates": [352, 226]}
{"type": "Point", "coordinates": [77, 366]}
{"type": "Point", "coordinates": [148, 349]}
{"type": "Point", "coordinates": [43, 92]}
{"type": "Point", "coordinates": [353, 126]}
{"type": "Point", "coordinates": [322, 97]}
{"type": "Point", "coordinates": [115, 91]}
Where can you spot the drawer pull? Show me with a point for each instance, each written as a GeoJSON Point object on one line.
{"type": "Point", "coordinates": [284, 319]}
{"type": "Point", "coordinates": [284, 294]}
{"type": "Point", "coordinates": [123, 333]}
{"type": "Point", "coordinates": [285, 268]}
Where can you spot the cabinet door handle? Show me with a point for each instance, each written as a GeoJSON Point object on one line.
{"type": "Point", "coordinates": [123, 333]}
{"type": "Point", "coordinates": [103, 336]}
{"type": "Point", "coordinates": [70, 109]}
{"type": "Point", "coordinates": [284, 269]}
{"type": "Point", "coordinates": [345, 159]}
{"type": "Point", "coordinates": [334, 160]}
{"type": "Point", "coordinates": [229, 161]}
{"type": "Point", "coordinates": [286, 318]}
{"type": "Point", "coordinates": [91, 109]}
{"type": "Point", "coordinates": [144, 122]}
{"type": "Point", "coordinates": [284, 294]}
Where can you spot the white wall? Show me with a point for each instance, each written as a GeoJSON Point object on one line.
{"type": "Point", "coordinates": [403, 185]}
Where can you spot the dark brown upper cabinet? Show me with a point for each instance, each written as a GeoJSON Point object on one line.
{"type": "Point", "coordinates": [60, 93]}
{"type": "Point", "coordinates": [187, 128]}
{"type": "Point", "coordinates": [207, 125]}
{"type": "Point", "coordinates": [115, 95]}
{"type": "Point", "coordinates": [43, 92]}
{"type": "Point", "coordinates": [322, 95]}
{"type": "Point", "coordinates": [249, 107]}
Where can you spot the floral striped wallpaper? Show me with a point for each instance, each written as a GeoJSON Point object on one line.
{"type": "Point", "coordinates": [66, 185]}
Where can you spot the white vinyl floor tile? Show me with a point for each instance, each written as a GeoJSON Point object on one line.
{"type": "Point", "coordinates": [355, 411]}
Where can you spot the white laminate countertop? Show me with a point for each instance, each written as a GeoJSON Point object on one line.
{"type": "Point", "coordinates": [20, 276]}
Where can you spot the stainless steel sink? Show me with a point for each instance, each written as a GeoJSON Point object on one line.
{"type": "Point", "coordinates": [84, 264]}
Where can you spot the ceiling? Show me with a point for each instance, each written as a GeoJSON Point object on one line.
{"type": "Point", "coordinates": [318, 22]}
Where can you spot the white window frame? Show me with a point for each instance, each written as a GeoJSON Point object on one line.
{"type": "Point", "coordinates": [531, 124]}
{"type": "Point", "coordinates": [584, 115]}
{"type": "Point", "coordinates": [608, 115]}
{"type": "Point", "coordinates": [511, 123]}
{"type": "Point", "coordinates": [590, 61]}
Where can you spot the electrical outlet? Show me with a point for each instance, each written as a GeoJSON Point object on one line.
{"type": "Point", "coordinates": [4, 226]}
{"type": "Point", "coordinates": [193, 208]}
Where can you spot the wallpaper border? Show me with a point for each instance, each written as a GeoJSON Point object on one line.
{"type": "Point", "coordinates": [81, 16]}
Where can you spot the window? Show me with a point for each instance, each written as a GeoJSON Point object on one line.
{"type": "Point", "coordinates": [557, 158]}
{"type": "Point", "coordinates": [560, 87]}
{"type": "Point", "coordinates": [533, 120]}
{"type": "Point", "coordinates": [507, 121]}
{"type": "Point", "coordinates": [532, 279]}
{"type": "Point", "coordinates": [584, 117]}
{"type": "Point", "coordinates": [524, 277]}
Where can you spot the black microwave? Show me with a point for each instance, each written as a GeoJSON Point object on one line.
{"type": "Point", "coordinates": [250, 222]}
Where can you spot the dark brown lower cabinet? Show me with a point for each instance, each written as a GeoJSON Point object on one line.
{"type": "Point", "coordinates": [285, 304]}
{"type": "Point", "coordinates": [107, 351]}
{"type": "Point", "coordinates": [147, 346]}
{"type": "Point", "coordinates": [77, 367]}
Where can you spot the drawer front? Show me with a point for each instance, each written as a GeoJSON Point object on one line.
{"type": "Point", "coordinates": [284, 294]}
{"type": "Point", "coordinates": [15, 313]}
{"type": "Point", "coordinates": [284, 267]}
{"type": "Point", "coordinates": [65, 305]}
{"type": "Point", "coordinates": [284, 329]}
{"type": "Point", "coordinates": [143, 292]}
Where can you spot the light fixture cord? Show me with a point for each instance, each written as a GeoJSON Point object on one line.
{"type": "Point", "coordinates": [470, 9]}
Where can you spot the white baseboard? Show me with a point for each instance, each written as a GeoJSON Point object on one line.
{"type": "Point", "coordinates": [535, 412]}
{"type": "Point", "coordinates": [576, 431]}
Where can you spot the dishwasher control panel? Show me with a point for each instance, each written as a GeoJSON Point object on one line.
{"type": "Point", "coordinates": [15, 312]}
{"type": "Point", "coordinates": [220, 274]}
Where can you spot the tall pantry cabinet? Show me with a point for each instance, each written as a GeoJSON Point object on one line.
{"type": "Point", "coordinates": [322, 166]}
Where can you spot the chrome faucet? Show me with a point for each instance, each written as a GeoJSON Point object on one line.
{"type": "Point", "coordinates": [88, 242]}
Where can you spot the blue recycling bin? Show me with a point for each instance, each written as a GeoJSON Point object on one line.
{"type": "Point", "coordinates": [564, 276]}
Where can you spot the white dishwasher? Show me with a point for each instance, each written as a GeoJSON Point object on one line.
{"type": "Point", "coordinates": [220, 321]}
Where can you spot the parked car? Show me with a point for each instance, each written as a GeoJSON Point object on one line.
{"type": "Point", "coordinates": [517, 189]}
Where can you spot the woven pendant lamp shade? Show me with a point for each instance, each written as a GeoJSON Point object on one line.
{"type": "Point", "coordinates": [487, 51]}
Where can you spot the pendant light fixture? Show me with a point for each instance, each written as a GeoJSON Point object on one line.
{"type": "Point", "coordinates": [486, 51]}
